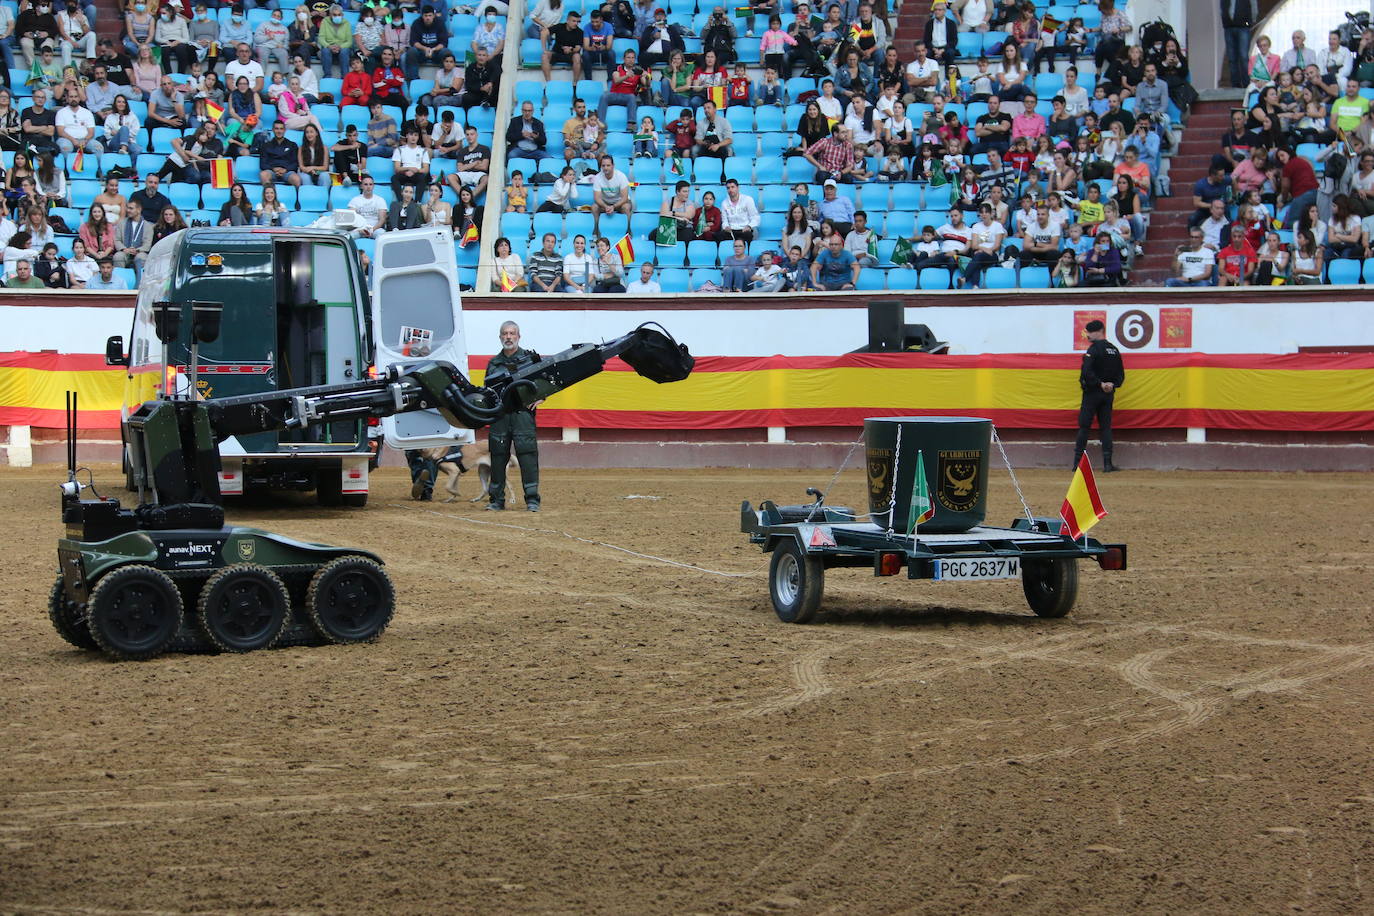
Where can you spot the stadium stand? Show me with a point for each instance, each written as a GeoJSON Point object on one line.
{"type": "Point", "coordinates": [690, 126]}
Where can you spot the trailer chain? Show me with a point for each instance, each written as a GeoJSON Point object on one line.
{"type": "Point", "coordinates": [1025, 506]}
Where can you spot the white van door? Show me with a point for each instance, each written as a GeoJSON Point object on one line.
{"type": "Point", "coordinates": [417, 316]}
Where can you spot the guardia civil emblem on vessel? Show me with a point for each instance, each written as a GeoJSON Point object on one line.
{"type": "Point", "coordinates": [958, 485]}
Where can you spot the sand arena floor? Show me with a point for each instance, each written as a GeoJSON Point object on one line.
{"type": "Point", "coordinates": [551, 725]}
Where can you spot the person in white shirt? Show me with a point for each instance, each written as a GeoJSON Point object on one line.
{"type": "Point", "coordinates": [863, 126]}
{"type": "Point", "coordinates": [1195, 262]}
{"type": "Point", "coordinates": [973, 15]}
{"type": "Point", "coordinates": [310, 83]}
{"type": "Point", "coordinates": [244, 65]}
{"type": "Point", "coordinates": [80, 266]}
{"type": "Point", "coordinates": [921, 75]}
{"type": "Point", "coordinates": [954, 235]}
{"type": "Point", "coordinates": [611, 191]}
{"type": "Point", "coordinates": [370, 208]}
{"type": "Point", "coordinates": [1300, 55]}
{"type": "Point", "coordinates": [985, 245]}
{"type": "Point", "coordinates": [1214, 227]}
{"type": "Point", "coordinates": [646, 282]}
{"type": "Point", "coordinates": [580, 269]}
{"type": "Point", "coordinates": [829, 105]}
{"type": "Point", "coordinates": [858, 239]}
{"type": "Point", "coordinates": [1335, 59]}
{"type": "Point", "coordinates": [75, 128]}
{"type": "Point", "coordinates": [411, 161]}
{"type": "Point", "coordinates": [768, 277]}
{"type": "Point", "coordinates": [75, 31]}
{"type": "Point", "coordinates": [739, 216]}
{"type": "Point", "coordinates": [1075, 96]}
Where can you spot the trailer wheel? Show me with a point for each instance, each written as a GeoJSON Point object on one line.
{"type": "Point", "coordinates": [796, 583]}
{"type": "Point", "coordinates": [1051, 586]}
{"type": "Point", "coordinates": [134, 612]}
{"type": "Point", "coordinates": [243, 607]}
{"type": "Point", "coordinates": [350, 600]}
{"type": "Point", "coordinates": [69, 618]}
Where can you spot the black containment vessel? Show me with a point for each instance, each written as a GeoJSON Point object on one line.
{"type": "Point", "coordinates": [955, 453]}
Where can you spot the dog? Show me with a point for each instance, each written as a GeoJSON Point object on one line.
{"type": "Point", "coordinates": [456, 461]}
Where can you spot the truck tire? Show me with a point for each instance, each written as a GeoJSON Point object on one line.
{"type": "Point", "coordinates": [69, 618]}
{"type": "Point", "coordinates": [134, 612]}
{"type": "Point", "coordinates": [328, 487]}
{"type": "Point", "coordinates": [796, 583]}
{"type": "Point", "coordinates": [1051, 586]}
{"type": "Point", "coordinates": [350, 600]}
{"type": "Point", "coordinates": [243, 607]}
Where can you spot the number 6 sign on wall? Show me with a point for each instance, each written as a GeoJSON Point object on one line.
{"type": "Point", "coordinates": [1134, 330]}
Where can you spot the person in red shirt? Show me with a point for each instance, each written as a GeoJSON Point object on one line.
{"type": "Point", "coordinates": [1298, 185]}
{"type": "Point", "coordinates": [357, 85]}
{"type": "Point", "coordinates": [1238, 259]}
{"type": "Point", "coordinates": [388, 82]}
{"type": "Point", "coordinates": [624, 91]}
{"type": "Point", "coordinates": [737, 89]}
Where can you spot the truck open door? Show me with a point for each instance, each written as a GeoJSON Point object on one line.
{"type": "Point", "coordinates": [417, 316]}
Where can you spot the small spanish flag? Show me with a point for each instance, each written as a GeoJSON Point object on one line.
{"type": "Point", "coordinates": [831, 122]}
{"type": "Point", "coordinates": [507, 284]}
{"type": "Point", "coordinates": [221, 173]}
{"type": "Point", "coordinates": [79, 161]}
{"type": "Point", "coordinates": [337, 179]}
{"type": "Point", "coordinates": [469, 236]}
{"type": "Point", "coordinates": [743, 12]}
{"type": "Point", "coordinates": [717, 95]}
{"type": "Point", "coordinates": [1049, 24]}
{"type": "Point", "coordinates": [626, 249]}
{"type": "Point", "coordinates": [1082, 506]}
{"type": "Point", "coordinates": [213, 112]}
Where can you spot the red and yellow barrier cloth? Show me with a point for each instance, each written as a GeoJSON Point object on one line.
{"type": "Point", "coordinates": [1301, 392]}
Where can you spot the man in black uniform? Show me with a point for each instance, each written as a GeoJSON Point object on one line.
{"type": "Point", "coordinates": [516, 428]}
{"type": "Point", "coordinates": [1101, 375]}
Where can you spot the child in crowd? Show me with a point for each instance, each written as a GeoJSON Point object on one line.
{"type": "Point", "coordinates": [1065, 273]}
{"type": "Point", "coordinates": [1076, 241]}
{"type": "Point", "coordinates": [773, 45]}
{"type": "Point", "coordinates": [769, 91]}
{"type": "Point", "coordinates": [646, 140]}
{"type": "Point", "coordinates": [738, 88]}
{"type": "Point", "coordinates": [801, 196]}
{"type": "Point", "coordinates": [684, 131]}
{"type": "Point", "coordinates": [978, 88]}
{"type": "Point", "coordinates": [926, 252]}
{"type": "Point", "coordinates": [517, 194]}
{"type": "Point", "coordinates": [769, 277]}
{"type": "Point", "coordinates": [894, 170]}
{"type": "Point", "coordinates": [277, 87]}
{"type": "Point", "coordinates": [1098, 104]}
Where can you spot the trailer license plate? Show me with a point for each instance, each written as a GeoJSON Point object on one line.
{"type": "Point", "coordinates": [964, 570]}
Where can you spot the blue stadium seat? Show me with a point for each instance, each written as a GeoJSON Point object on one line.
{"type": "Point", "coordinates": [703, 275]}
{"type": "Point", "coordinates": [768, 118]}
{"type": "Point", "coordinates": [673, 280]}
{"type": "Point", "coordinates": [1034, 278]}
{"type": "Point", "coordinates": [772, 145]}
{"type": "Point", "coordinates": [775, 199]}
{"type": "Point", "coordinates": [771, 224]}
{"type": "Point", "coordinates": [901, 224]}
{"type": "Point", "coordinates": [740, 168]}
{"type": "Point", "coordinates": [613, 226]}
{"type": "Point", "coordinates": [675, 256]}
{"type": "Point", "coordinates": [575, 224]}
{"type": "Point", "coordinates": [793, 89]}
{"type": "Point", "coordinates": [934, 278]}
{"type": "Point", "coordinates": [558, 93]}
{"type": "Point", "coordinates": [213, 198]}
{"type": "Point", "coordinates": [329, 119]}
{"type": "Point", "coordinates": [483, 119]}
{"type": "Point", "coordinates": [1343, 271]}
{"type": "Point", "coordinates": [1048, 85]}
{"type": "Point", "coordinates": [646, 171]}
{"type": "Point", "coordinates": [547, 222]}
{"type": "Point", "coordinates": [130, 278]}
{"type": "Point", "coordinates": [906, 195]}
{"type": "Point", "coordinates": [644, 225]}
{"type": "Point", "coordinates": [151, 162]}
{"type": "Point", "coordinates": [81, 193]}
{"type": "Point", "coordinates": [590, 91]}
{"type": "Point", "coordinates": [648, 198]}
{"type": "Point", "coordinates": [312, 198]}
{"type": "Point", "coordinates": [937, 198]}
{"type": "Point", "coordinates": [740, 117]}
{"type": "Point", "coordinates": [701, 253]}
{"type": "Point", "coordinates": [515, 225]}
{"type": "Point", "coordinates": [798, 169]}
{"type": "Point", "coordinates": [707, 169]}
{"type": "Point", "coordinates": [183, 195]}
{"type": "Point", "coordinates": [999, 278]}
{"type": "Point", "coordinates": [970, 45]}
{"type": "Point", "coordinates": [1369, 270]}
{"type": "Point", "coordinates": [902, 279]}
{"type": "Point", "coordinates": [302, 218]}
{"type": "Point", "coordinates": [525, 166]}
{"type": "Point", "coordinates": [357, 115]}
{"type": "Point", "coordinates": [885, 249]}
{"type": "Point", "coordinates": [871, 278]}
{"type": "Point", "coordinates": [531, 52]}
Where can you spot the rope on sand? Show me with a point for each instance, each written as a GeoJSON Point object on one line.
{"type": "Point", "coordinates": [573, 537]}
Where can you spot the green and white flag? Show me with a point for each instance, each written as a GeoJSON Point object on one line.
{"type": "Point", "coordinates": [666, 234]}
{"type": "Point", "coordinates": [676, 167]}
{"type": "Point", "coordinates": [922, 509]}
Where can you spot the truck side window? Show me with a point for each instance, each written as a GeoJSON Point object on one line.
{"type": "Point", "coordinates": [331, 274]}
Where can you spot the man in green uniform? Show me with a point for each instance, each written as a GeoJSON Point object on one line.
{"type": "Point", "coordinates": [514, 429]}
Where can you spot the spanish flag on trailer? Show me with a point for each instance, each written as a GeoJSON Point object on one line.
{"type": "Point", "coordinates": [1082, 505]}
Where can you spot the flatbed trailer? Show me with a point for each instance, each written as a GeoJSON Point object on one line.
{"type": "Point", "coordinates": [807, 540]}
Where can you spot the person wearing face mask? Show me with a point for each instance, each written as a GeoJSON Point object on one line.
{"type": "Point", "coordinates": [203, 34]}
{"type": "Point", "coordinates": [269, 43]}
{"type": "Point", "coordinates": [174, 39]}
{"type": "Point", "coordinates": [236, 31]}
{"type": "Point", "coordinates": [335, 41]}
{"type": "Point", "coordinates": [302, 37]}
{"type": "Point", "coordinates": [75, 31]}
{"type": "Point", "coordinates": [367, 38]}
{"type": "Point", "coordinates": [490, 36]}
{"type": "Point", "coordinates": [36, 27]}
{"type": "Point", "coordinates": [395, 35]}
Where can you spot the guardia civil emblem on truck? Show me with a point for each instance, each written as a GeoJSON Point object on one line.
{"type": "Point", "coordinates": [958, 485]}
{"type": "Point", "coordinates": [247, 549]}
